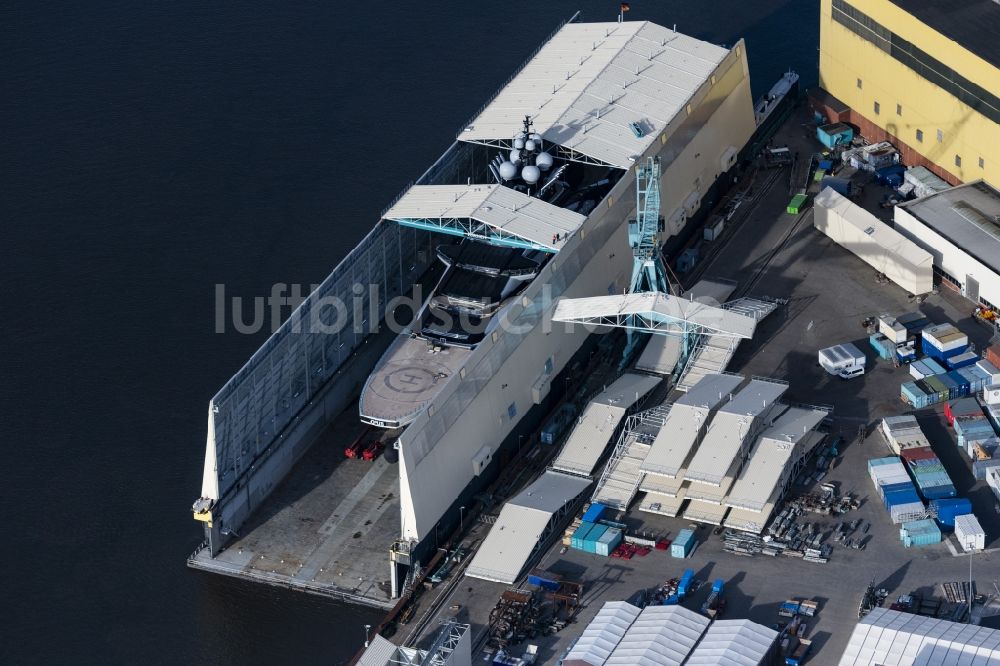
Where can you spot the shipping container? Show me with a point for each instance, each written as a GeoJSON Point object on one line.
{"type": "Point", "coordinates": [912, 395]}
{"type": "Point", "coordinates": [940, 355]}
{"type": "Point", "coordinates": [946, 509]}
{"type": "Point", "coordinates": [989, 370]}
{"type": "Point", "coordinates": [962, 407]}
{"type": "Point", "coordinates": [962, 360]}
{"type": "Point", "coordinates": [580, 535]}
{"type": "Point", "coordinates": [935, 367]}
{"type": "Point", "coordinates": [683, 544]}
{"type": "Point", "coordinates": [922, 453]}
{"type": "Point", "coordinates": [885, 348]}
{"type": "Point", "coordinates": [835, 134]}
{"type": "Point", "coordinates": [919, 370]}
{"type": "Point", "coordinates": [714, 228]}
{"type": "Point", "coordinates": [608, 541]}
{"type": "Point", "coordinates": [969, 532]}
{"type": "Point", "coordinates": [593, 536]}
{"type": "Point", "coordinates": [945, 338]}
{"type": "Point", "coordinates": [917, 533]}
{"type": "Point", "coordinates": [978, 380]}
{"type": "Point", "coordinates": [992, 354]}
{"type": "Point", "coordinates": [593, 514]}
{"type": "Point", "coordinates": [797, 204]}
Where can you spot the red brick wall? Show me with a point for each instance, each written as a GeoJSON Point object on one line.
{"type": "Point", "coordinates": [873, 134]}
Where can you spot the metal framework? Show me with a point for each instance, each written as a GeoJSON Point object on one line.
{"type": "Point", "coordinates": [561, 152]}
{"type": "Point", "coordinates": [463, 226]}
{"type": "Point", "coordinates": [622, 469]}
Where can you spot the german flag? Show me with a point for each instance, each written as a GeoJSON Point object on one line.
{"type": "Point", "coordinates": [625, 7]}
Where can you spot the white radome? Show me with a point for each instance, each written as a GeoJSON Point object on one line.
{"type": "Point", "coordinates": [519, 143]}
{"type": "Point", "coordinates": [529, 145]}
{"type": "Point", "coordinates": [515, 156]}
{"type": "Point", "coordinates": [543, 161]}
{"type": "Point", "coordinates": [530, 174]}
{"type": "Point", "coordinates": [508, 171]}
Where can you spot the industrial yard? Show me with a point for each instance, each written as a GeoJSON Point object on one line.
{"type": "Point", "coordinates": [829, 294]}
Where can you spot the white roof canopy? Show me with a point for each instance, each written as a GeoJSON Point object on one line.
{"type": "Point", "coordinates": [733, 426]}
{"type": "Point", "coordinates": [890, 637]}
{"type": "Point", "coordinates": [733, 643]}
{"type": "Point", "coordinates": [588, 83]}
{"type": "Point", "coordinates": [654, 312]}
{"type": "Point", "coordinates": [602, 635]}
{"type": "Point", "coordinates": [771, 456]}
{"type": "Point", "coordinates": [522, 522]}
{"type": "Point", "coordinates": [590, 436]}
{"type": "Point", "coordinates": [660, 636]}
{"type": "Point", "coordinates": [674, 442]}
{"type": "Point", "coordinates": [490, 212]}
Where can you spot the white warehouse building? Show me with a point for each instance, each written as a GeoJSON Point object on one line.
{"type": "Point", "coordinates": [960, 227]}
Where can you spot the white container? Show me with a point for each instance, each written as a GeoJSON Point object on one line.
{"type": "Point", "coordinates": [915, 371]}
{"type": "Point", "coordinates": [991, 394]}
{"type": "Point", "coordinates": [715, 230]}
{"type": "Point", "coordinates": [969, 532]}
{"type": "Point", "coordinates": [936, 336]}
{"type": "Point", "coordinates": [892, 329]}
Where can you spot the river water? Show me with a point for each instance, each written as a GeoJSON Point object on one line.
{"type": "Point", "coordinates": [152, 150]}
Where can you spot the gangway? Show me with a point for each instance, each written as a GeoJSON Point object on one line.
{"type": "Point", "coordinates": [620, 481]}
{"type": "Point", "coordinates": [712, 352]}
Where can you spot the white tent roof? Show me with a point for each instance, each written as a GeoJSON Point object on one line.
{"type": "Point", "coordinates": [591, 80]}
{"type": "Point", "coordinates": [895, 243]}
{"type": "Point", "coordinates": [729, 429]}
{"type": "Point", "coordinates": [379, 652]}
{"type": "Point", "coordinates": [901, 639]}
{"type": "Point", "coordinates": [589, 438]}
{"type": "Point", "coordinates": [733, 643]}
{"type": "Point", "coordinates": [504, 211]}
{"type": "Point", "coordinates": [680, 431]}
{"type": "Point", "coordinates": [658, 307]}
{"type": "Point", "coordinates": [602, 635]}
{"type": "Point", "coordinates": [521, 523]}
{"type": "Point", "coordinates": [660, 636]}
{"type": "Point", "coordinates": [771, 456]}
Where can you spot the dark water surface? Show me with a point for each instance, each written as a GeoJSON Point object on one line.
{"type": "Point", "coordinates": [150, 150]}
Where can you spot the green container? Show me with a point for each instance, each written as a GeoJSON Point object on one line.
{"type": "Point", "coordinates": [797, 204]}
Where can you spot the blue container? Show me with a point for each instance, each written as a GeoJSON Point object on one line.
{"type": "Point", "coordinates": [939, 355]}
{"type": "Point", "coordinates": [960, 381]}
{"type": "Point", "coordinates": [912, 394]}
{"type": "Point", "coordinates": [962, 360]}
{"type": "Point", "coordinates": [894, 487]}
{"type": "Point", "coordinates": [683, 544]}
{"type": "Point", "coordinates": [898, 497]}
{"type": "Point", "coordinates": [590, 544]}
{"type": "Point", "coordinates": [593, 514]}
{"type": "Point", "coordinates": [919, 533]}
{"type": "Point", "coordinates": [947, 509]}
{"type": "Point", "coordinates": [935, 367]}
{"type": "Point", "coordinates": [580, 535]}
{"type": "Point", "coordinates": [954, 389]}
{"type": "Point", "coordinates": [835, 134]}
{"type": "Point", "coordinates": [939, 492]}
{"type": "Point", "coordinates": [882, 346]}
{"type": "Point", "coordinates": [544, 579]}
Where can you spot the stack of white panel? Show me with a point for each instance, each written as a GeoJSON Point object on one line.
{"type": "Point", "coordinates": [969, 532]}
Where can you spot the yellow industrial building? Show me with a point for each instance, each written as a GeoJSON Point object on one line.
{"type": "Point", "coordinates": [923, 74]}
